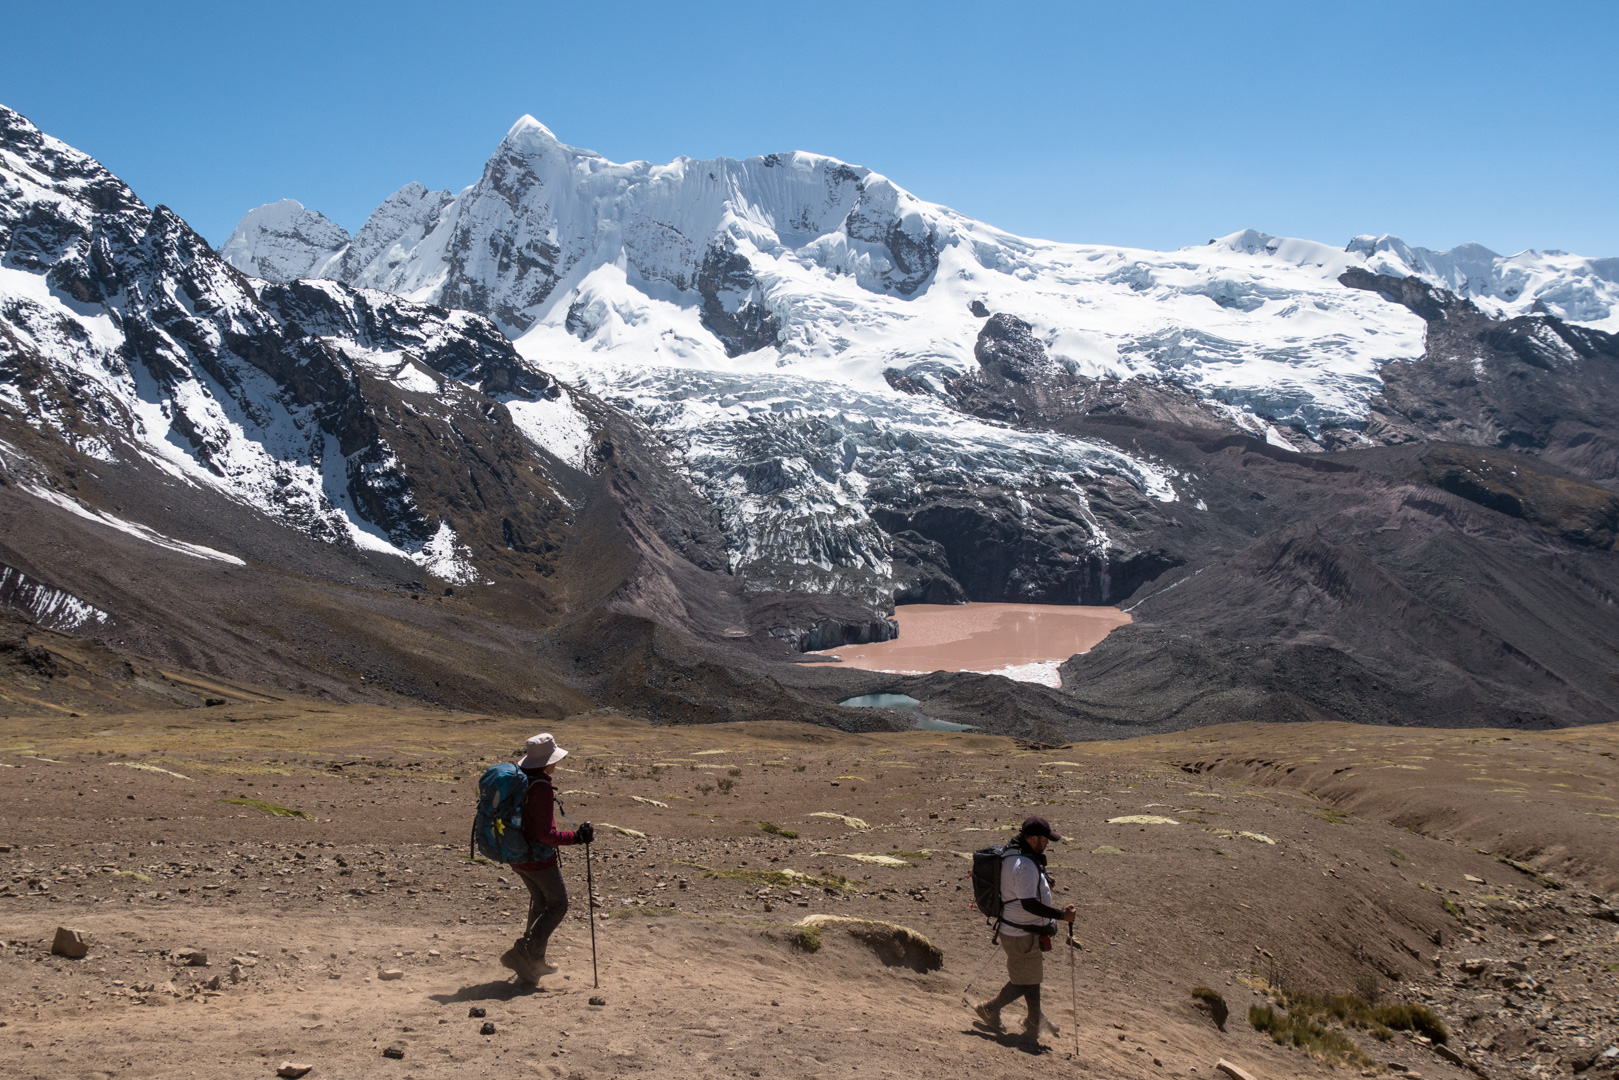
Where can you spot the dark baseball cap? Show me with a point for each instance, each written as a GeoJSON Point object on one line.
{"type": "Point", "coordinates": [1038, 826]}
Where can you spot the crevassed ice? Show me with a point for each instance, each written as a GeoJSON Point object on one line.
{"type": "Point", "coordinates": [789, 462]}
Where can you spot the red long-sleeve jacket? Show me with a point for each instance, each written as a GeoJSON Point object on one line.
{"type": "Point", "coordinates": [539, 822]}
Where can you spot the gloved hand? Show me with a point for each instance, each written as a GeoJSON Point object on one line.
{"type": "Point", "coordinates": [584, 834]}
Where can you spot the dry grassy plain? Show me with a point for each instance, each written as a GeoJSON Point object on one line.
{"type": "Point", "coordinates": [1325, 858]}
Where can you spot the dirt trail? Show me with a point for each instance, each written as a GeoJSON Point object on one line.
{"type": "Point", "coordinates": [1236, 873]}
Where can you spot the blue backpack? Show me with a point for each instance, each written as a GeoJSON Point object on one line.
{"type": "Point", "coordinates": [497, 827]}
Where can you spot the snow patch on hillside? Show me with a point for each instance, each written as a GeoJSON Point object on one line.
{"type": "Point", "coordinates": [556, 426]}
{"type": "Point", "coordinates": [1044, 673]}
{"type": "Point", "coordinates": [444, 558]}
{"type": "Point", "coordinates": [132, 528]}
{"type": "Point", "coordinates": [52, 608]}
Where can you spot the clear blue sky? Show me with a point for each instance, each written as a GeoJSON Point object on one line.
{"type": "Point", "coordinates": [1148, 124]}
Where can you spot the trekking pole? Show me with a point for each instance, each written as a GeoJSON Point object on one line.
{"type": "Point", "coordinates": [993, 949]}
{"type": "Point", "coordinates": [590, 904]}
{"type": "Point", "coordinates": [1073, 985]}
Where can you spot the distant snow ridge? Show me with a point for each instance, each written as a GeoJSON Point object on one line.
{"type": "Point", "coordinates": [1572, 287]}
{"type": "Point", "coordinates": [797, 467]}
{"type": "Point", "coordinates": [287, 242]}
{"type": "Point", "coordinates": [798, 263]}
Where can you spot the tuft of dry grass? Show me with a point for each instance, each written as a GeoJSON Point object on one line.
{"type": "Point", "coordinates": [786, 879]}
{"type": "Point", "coordinates": [808, 938]}
{"type": "Point", "coordinates": [1291, 1029]}
{"type": "Point", "coordinates": [895, 945]}
{"type": "Point", "coordinates": [275, 809]}
{"type": "Point", "coordinates": [1305, 1022]}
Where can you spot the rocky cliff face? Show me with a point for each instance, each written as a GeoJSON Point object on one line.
{"type": "Point", "coordinates": [760, 316]}
{"type": "Point", "coordinates": [320, 406]}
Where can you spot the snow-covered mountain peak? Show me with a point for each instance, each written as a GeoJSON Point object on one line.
{"type": "Point", "coordinates": [1287, 249]}
{"type": "Point", "coordinates": [800, 263]}
{"type": "Point", "coordinates": [284, 241]}
{"type": "Point", "coordinates": [530, 138]}
{"type": "Point", "coordinates": [386, 239]}
{"type": "Point", "coordinates": [528, 128]}
{"type": "Point", "coordinates": [1573, 287]}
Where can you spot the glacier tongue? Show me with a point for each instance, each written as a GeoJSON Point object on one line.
{"type": "Point", "coordinates": [798, 468]}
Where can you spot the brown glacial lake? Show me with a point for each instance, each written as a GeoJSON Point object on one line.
{"type": "Point", "coordinates": [1021, 641]}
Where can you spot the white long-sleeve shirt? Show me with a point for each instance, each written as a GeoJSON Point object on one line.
{"type": "Point", "coordinates": [1022, 878]}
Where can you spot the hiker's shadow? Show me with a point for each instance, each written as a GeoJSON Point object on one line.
{"type": "Point", "coordinates": [493, 990]}
{"type": "Point", "coordinates": [1008, 1040]}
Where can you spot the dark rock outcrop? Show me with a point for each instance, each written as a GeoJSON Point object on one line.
{"type": "Point", "coordinates": [874, 221]}
{"type": "Point", "coordinates": [732, 309]}
{"type": "Point", "coordinates": [1041, 547]}
{"type": "Point", "coordinates": [1007, 348]}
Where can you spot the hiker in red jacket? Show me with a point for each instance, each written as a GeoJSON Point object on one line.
{"type": "Point", "coordinates": [548, 897]}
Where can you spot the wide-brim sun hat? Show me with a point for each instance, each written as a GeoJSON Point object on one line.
{"type": "Point", "coordinates": [541, 750]}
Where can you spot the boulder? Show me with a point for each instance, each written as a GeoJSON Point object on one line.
{"type": "Point", "coordinates": [73, 944]}
{"type": "Point", "coordinates": [292, 1070]}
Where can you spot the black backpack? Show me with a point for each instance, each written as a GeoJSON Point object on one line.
{"type": "Point", "coordinates": [986, 878]}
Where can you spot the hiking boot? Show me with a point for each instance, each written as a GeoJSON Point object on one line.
{"type": "Point", "coordinates": [540, 966]}
{"type": "Point", "coordinates": [515, 960]}
{"type": "Point", "coordinates": [1031, 1028]}
{"type": "Point", "coordinates": [990, 1017]}
{"type": "Point", "coordinates": [518, 960]}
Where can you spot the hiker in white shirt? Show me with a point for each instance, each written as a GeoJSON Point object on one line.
{"type": "Point", "coordinates": [1027, 917]}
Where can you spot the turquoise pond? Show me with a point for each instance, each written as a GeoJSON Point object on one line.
{"type": "Point", "coordinates": [924, 722]}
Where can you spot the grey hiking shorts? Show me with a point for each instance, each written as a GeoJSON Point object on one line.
{"type": "Point", "coordinates": [1025, 963]}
